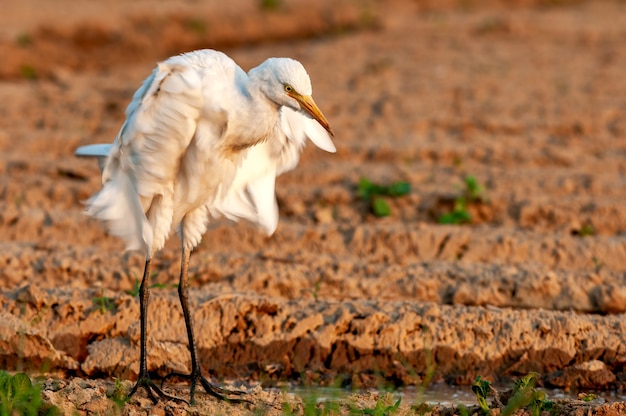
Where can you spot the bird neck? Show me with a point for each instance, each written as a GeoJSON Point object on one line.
{"type": "Point", "coordinates": [261, 121]}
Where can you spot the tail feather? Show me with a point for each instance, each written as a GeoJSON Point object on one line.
{"type": "Point", "coordinates": [118, 206]}
{"type": "Point", "coordinates": [98, 151]}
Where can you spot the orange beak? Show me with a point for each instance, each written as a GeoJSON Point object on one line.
{"type": "Point", "coordinates": [307, 103]}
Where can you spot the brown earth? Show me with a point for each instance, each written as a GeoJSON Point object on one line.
{"type": "Point", "coordinates": [529, 97]}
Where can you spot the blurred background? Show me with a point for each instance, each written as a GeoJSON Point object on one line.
{"type": "Point", "coordinates": [522, 99]}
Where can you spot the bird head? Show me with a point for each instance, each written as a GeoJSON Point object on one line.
{"type": "Point", "coordinates": [287, 83]}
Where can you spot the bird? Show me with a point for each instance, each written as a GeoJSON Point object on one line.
{"type": "Point", "coordinates": [202, 139]}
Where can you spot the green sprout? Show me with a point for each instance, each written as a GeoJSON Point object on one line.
{"type": "Point", "coordinates": [474, 192]}
{"type": "Point", "coordinates": [316, 288]}
{"type": "Point", "coordinates": [270, 5]}
{"type": "Point", "coordinates": [118, 395]}
{"type": "Point", "coordinates": [375, 194]}
{"type": "Point", "coordinates": [134, 292]}
{"type": "Point", "coordinates": [597, 263]}
{"type": "Point", "coordinates": [312, 406]}
{"type": "Point", "coordinates": [24, 39]}
{"type": "Point", "coordinates": [585, 230]}
{"type": "Point", "coordinates": [105, 303]}
{"type": "Point", "coordinates": [28, 71]}
{"type": "Point", "coordinates": [588, 397]}
{"type": "Point", "coordinates": [196, 25]}
{"type": "Point", "coordinates": [526, 395]}
{"type": "Point", "coordinates": [383, 410]}
{"type": "Point", "coordinates": [481, 389]}
{"type": "Point", "coordinates": [18, 395]}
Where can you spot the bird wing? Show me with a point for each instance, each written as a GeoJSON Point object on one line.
{"type": "Point", "coordinates": [252, 196]}
{"type": "Point", "coordinates": [167, 117]}
{"type": "Point", "coordinates": [161, 121]}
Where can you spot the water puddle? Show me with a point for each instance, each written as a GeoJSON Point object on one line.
{"type": "Point", "coordinates": [442, 393]}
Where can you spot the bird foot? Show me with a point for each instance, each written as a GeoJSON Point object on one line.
{"type": "Point", "coordinates": [151, 388]}
{"type": "Point", "coordinates": [219, 393]}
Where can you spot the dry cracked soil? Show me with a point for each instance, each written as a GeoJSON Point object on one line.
{"type": "Point", "coordinates": [527, 97]}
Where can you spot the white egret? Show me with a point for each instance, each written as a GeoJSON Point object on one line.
{"type": "Point", "coordinates": [202, 139]}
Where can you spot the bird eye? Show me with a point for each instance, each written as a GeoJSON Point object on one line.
{"type": "Point", "coordinates": [288, 88]}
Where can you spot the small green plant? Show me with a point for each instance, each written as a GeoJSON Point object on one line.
{"type": "Point", "coordinates": [19, 199]}
{"type": "Point", "coordinates": [164, 286]}
{"type": "Point", "coordinates": [18, 395]}
{"type": "Point", "coordinates": [473, 192]}
{"type": "Point", "coordinates": [196, 25]}
{"type": "Point", "coordinates": [597, 263]}
{"type": "Point", "coordinates": [381, 409]}
{"type": "Point", "coordinates": [289, 408]}
{"type": "Point", "coordinates": [368, 17]}
{"type": "Point", "coordinates": [587, 397]}
{"type": "Point", "coordinates": [422, 408]}
{"type": "Point", "coordinates": [481, 389]}
{"type": "Point", "coordinates": [375, 194]}
{"type": "Point", "coordinates": [24, 39]}
{"type": "Point", "coordinates": [316, 288]}
{"type": "Point", "coordinates": [309, 404]}
{"type": "Point", "coordinates": [270, 5]}
{"type": "Point", "coordinates": [312, 406]}
{"type": "Point", "coordinates": [493, 24]}
{"type": "Point", "coordinates": [329, 407]}
{"type": "Point", "coordinates": [526, 395]}
{"type": "Point", "coordinates": [28, 71]}
{"type": "Point", "coordinates": [105, 303]}
{"type": "Point", "coordinates": [118, 395]}
{"type": "Point", "coordinates": [585, 230]}
{"type": "Point", "coordinates": [39, 316]}
{"type": "Point", "coordinates": [134, 292]}
{"type": "Point", "coordinates": [458, 215]}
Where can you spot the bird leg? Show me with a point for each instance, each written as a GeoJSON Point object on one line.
{"type": "Point", "coordinates": [196, 376]}
{"type": "Point", "coordinates": [143, 380]}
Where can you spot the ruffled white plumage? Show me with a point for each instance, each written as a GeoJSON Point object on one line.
{"type": "Point", "coordinates": [173, 158]}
